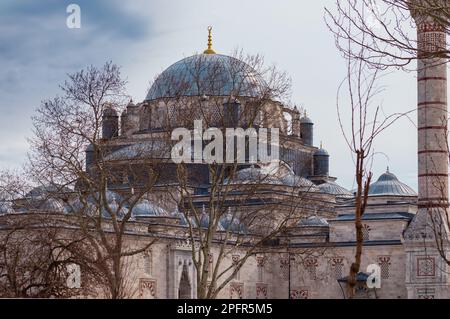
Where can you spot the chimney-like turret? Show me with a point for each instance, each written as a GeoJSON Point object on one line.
{"type": "Point", "coordinates": [110, 125]}
{"type": "Point", "coordinates": [307, 130]}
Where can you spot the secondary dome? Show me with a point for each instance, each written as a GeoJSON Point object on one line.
{"type": "Point", "coordinates": [145, 208]}
{"type": "Point", "coordinates": [388, 184]}
{"type": "Point", "coordinates": [335, 189]}
{"type": "Point", "coordinates": [207, 75]}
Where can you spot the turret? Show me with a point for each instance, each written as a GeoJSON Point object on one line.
{"type": "Point", "coordinates": [110, 124]}
{"type": "Point", "coordinates": [126, 119]}
{"type": "Point", "coordinates": [89, 156]}
{"type": "Point", "coordinates": [306, 130]}
{"type": "Point", "coordinates": [321, 162]}
{"type": "Point", "coordinates": [231, 113]}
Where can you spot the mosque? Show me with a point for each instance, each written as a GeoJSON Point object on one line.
{"type": "Point", "coordinates": [393, 224]}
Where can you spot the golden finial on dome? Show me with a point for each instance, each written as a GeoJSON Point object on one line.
{"type": "Point", "coordinates": [209, 50]}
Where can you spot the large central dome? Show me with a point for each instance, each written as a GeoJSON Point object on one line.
{"type": "Point", "coordinates": [207, 75]}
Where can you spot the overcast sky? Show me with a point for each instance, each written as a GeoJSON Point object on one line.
{"type": "Point", "coordinates": [37, 50]}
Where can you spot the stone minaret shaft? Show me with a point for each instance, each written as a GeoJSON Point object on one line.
{"type": "Point", "coordinates": [432, 115]}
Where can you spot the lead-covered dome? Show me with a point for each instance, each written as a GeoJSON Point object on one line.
{"type": "Point", "coordinates": [389, 185]}
{"type": "Point", "coordinates": [207, 75]}
{"type": "Point", "coordinates": [335, 189]}
{"type": "Point", "coordinates": [145, 208]}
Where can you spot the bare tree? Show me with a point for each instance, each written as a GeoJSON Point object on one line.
{"type": "Point", "coordinates": [65, 128]}
{"type": "Point", "coordinates": [385, 29]}
{"type": "Point", "coordinates": [34, 249]}
{"type": "Point", "coordinates": [360, 130]}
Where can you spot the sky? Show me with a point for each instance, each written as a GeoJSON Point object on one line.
{"type": "Point", "coordinates": [38, 50]}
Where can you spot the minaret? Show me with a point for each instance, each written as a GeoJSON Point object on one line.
{"type": "Point", "coordinates": [432, 114]}
{"type": "Point", "coordinates": [426, 271]}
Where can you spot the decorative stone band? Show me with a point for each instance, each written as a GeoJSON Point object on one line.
{"type": "Point", "coordinates": [433, 203]}
{"type": "Point", "coordinates": [431, 103]}
{"type": "Point", "coordinates": [432, 151]}
{"type": "Point", "coordinates": [436, 127]}
{"type": "Point", "coordinates": [431, 39]}
{"type": "Point", "coordinates": [432, 78]}
{"type": "Point", "coordinates": [433, 175]}
{"type": "Point", "coordinates": [430, 27]}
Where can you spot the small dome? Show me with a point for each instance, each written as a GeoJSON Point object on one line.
{"type": "Point", "coordinates": [335, 189]}
{"type": "Point", "coordinates": [231, 223]}
{"type": "Point", "coordinates": [321, 152]}
{"type": "Point", "coordinates": [110, 112]}
{"type": "Point", "coordinates": [389, 185]}
{"type": "Point", "coordinates": [76, 206]}
{"type": "Point", "coordinates": [207, 74]}
{"type": "Point", "coordinates": [44, 191]}
{"type": "Point", "coordinates": [113, 208]}
{"type": "Point", "coordinates": [204, 221]}
{"type": "Point", "coordinates": [113, 200]}
{"type": "Point", "coordinates": [53, 205]}
{"type": "Point", "coordinates": [6, 207]}
{"type": "Point", "coordinates": [153, 149]}
{"type": "Point", "coordinates": [147, 209]}
{"type": "Point", "coordinates": [183, 220]}
{"type": "Point", "coordinates": [306, 120]}
{"type": "Point", "coordinates": [254, 175]}
{"type": "Point", "coordinates": [313, 221]}
{"type": "Point", "coordinates": [298, 181]}
{"type": "Point", "coordinates": [110, 197]}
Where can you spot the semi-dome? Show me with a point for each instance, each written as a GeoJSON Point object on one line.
{"type": "Point", "coordinates": [335, 189]}
{"type": "Point", "coordinates": [207, 75]}
{"type": "Point", "coordinates": [389, 185]}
